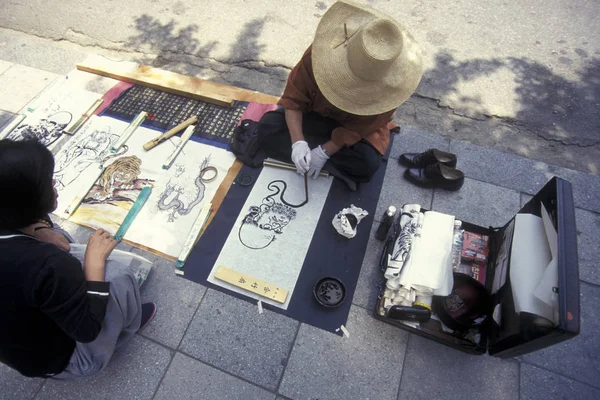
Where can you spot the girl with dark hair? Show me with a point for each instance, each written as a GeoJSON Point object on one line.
{"type": "Point", "coordinates": [58, 319]}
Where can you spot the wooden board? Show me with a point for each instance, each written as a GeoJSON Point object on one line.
{"type": "Point", "coordinates": [252, 284]}
{"type": "Point", "coordinates": [188, 86]}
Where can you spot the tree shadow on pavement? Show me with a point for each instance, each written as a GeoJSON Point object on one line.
{"type": "Point", "coordinates": [552, 106]}
{"type": "Point", "coordinates": [180, 50]}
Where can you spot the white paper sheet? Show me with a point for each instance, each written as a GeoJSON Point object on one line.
{"type": "Point", "coordinates": [78, 162]}
{"type": "Point", "coordinates": [547, 289]}
{"type": "Point", "coordinates": [178, 196]}
{"type": "Point", "coordinates": [280, 246]}
{"type": "Point", "coordinates": [54, 111]}
{"type": "Point", "coordinates": [529, 258]}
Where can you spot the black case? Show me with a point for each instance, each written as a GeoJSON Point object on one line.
{"type": "Point", "coordinates": [519, 334]}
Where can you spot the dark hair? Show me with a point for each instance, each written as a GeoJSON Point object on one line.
{"type": "Point", "coordinates": [26, 191]}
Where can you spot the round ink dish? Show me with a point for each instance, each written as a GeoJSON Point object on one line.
{"type": "Point", "coordinates": [329, 292]}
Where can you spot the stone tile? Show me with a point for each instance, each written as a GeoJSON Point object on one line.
{"type": "Point", "coordinates": [370, 276]}
{"type": "Point", "coordinates": [229, 334]}
{"type": "Point", "coordinates": [576, 358]}
{"type": "Point", "coordinates": [35, 52]}
{"type": "Point", "coordinates": [539, 384]}
{"type": "Point", "coordinates": [479, 203]}
{"type": "Point", "coordinates": [525, 198]}
{"type": "Point", "coordinates": [523, 174]}
{"type": "Point", "coordinates": [397, 191]}
{"type": "Point", "coordinates": [5, 118]}
{"type": "Point", "coordinates": [20, 84]}
{"type": "Point", "coordinates": [133, 373]}
{"type": "Point", "coordinates": [4, 65]}
{"type": "Point", "coordinates": [190, 379]}
{"type": "Point", "coordinates": [588, 234]}
{"type": "Point", "coordinates": [502, 169]}
{"type": "Point", "coordinates": [15, 386]}
{"type": "Point", "coordinates": [411, 140]}
{"type": "Point", "coordinates": [176, 300]}
{"type": "Point", "coordinates": [367, 365]}
{"type": "Point", "coordinates": [436, 371]}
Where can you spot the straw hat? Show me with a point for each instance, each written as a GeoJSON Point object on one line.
{"type": "Point", "coordinates": [365, 63]}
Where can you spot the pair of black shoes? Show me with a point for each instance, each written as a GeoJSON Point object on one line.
{"type": "Point", "coordinates": [433, 169]}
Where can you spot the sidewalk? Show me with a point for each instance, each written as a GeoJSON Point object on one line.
{"type": "Point", "coordinates": [207, 345]}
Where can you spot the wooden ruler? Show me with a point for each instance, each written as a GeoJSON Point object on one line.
{"type": "Point", "coordinates": [251, 284]}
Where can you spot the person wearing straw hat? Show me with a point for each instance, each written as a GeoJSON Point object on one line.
{"type": "Point", "coordinates": [340, 98]}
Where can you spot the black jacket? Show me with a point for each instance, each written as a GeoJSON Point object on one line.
{"type": "Point", "coordinates": [46, 305]}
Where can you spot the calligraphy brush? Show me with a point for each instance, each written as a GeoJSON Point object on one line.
{"type": "Point", "coordinates": [306, 186]}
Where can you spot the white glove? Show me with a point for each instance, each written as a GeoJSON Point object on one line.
{"type": "Point", "coordinates": [301, 156]}
{"type": "Point", "coordinates": [318, 158]}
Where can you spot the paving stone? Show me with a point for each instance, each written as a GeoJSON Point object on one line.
{"type": "Point", "coordinates": [588, 234]}
{"type": "Point", "coordinates": [5, 117]}
{"type": "Point", "coordinates": [539, 384]}
{"type": "Point", "coordinates": [365, 366]}
{"type": "Point", "coordinates": [14, 386]}
{"type": "Point", "coordinates": [35, 52]}
{"type": "Point", "coordinates": [525, 198]}
{"type": "Point", "coordinates": [502, 169]}
{"type": "Point", "coordinates": [397, 191]}
{"type": "Point", "coordinates": [133, 373]}
{"type": "Point", "coordinates": [4, 65]}
{"type": "Point", "coordinates": [370, 276]}
{"type": "Point", "coordinates": [436, 371]}
{"type": "Point", "coordinates": [191, 379]}
{"type": "Point", "coordinates": [176, 300]}
{"type": "Point", "coordinates": [229, 334]}
{"type": "Point", "coordinates": [578, 358]}
{"type": "Point", "coordinates": [412, 140]}
{"type": "Point", "coordinates": [523, 174]}
{"type": "Point", "coordinates": [479, 203]}
{"type": "Point", "coordinates": [20, 84]}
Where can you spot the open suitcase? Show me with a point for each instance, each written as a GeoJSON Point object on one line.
{"type": "Point", "coordinates": [504, 332]}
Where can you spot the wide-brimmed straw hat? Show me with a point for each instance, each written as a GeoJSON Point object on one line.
{"type": "Point", "coordinates": [364, 62]}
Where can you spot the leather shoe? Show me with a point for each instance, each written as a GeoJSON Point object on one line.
{"type": "Point", "coordinates": [436, 176]}
{"type": "Point", "coordinates": [428, 157]}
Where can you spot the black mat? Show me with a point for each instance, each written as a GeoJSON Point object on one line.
{"type": "Point", "coordinates": [329, 254]}
{"type": "Point", "coordinates": [215, 123]}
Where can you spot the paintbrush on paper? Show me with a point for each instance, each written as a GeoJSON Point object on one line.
{"type": "Point", "coordinates": [129, 131]}
{"type": "Point", "coordinates": [189, 131]}
{"type": "Point", "coordinates": [73, 127]}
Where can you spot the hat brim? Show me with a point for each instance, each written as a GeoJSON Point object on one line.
{"type": "Point", "coordinates": [340, 86]}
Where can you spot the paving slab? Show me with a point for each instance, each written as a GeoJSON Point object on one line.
{"type": "Point", "coordinates": [479, 203]}
{"type": "Point", "coordinates": [397, 191]}
{"type": "Point", "coordinates": [370, 277]}
{"type": "Point", "coordinates": [14, 386]}
{"type": "Point", "coordinates": [539, 384]}
{"type": "Point", "coordinates": [20, 84]}
{"type": "Point", "coordinates": [578, 358]}
{"type": "Point", "coordinates": [4, 65]}
{"type": "Point", "coordinates": [5, 117]}
{"type": "Point", "coordinates": [188, 378]}
{"type": "Point", "coordinates": [365, 366]}
{"type": "Point", "coordinates": [588, 234]}
{"type": "Point", "coordinates": [176, 299]}
{"type": "Point", "coordinates": [523, 174]}
{"type": "Point", "coordinates": [228, 333]}
{"type": "Point", "coordinates": [436, 371]}
{"type": "Point", "coordinates": [35, 52]}
{"type": "Point", "coordinates": [133, 373]}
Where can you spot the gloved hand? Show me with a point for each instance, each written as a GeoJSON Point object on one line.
{"type": "Point", "coordinates": [301, 156]}
{"type": "Point", "coordinates": [318, 158]}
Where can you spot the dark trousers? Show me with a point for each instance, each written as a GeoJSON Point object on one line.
{"type": "Point", "coordinates": [359, 161]}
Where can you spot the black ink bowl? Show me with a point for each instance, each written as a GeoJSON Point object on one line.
{"type": "Point", "coordinates": [329, 292]}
